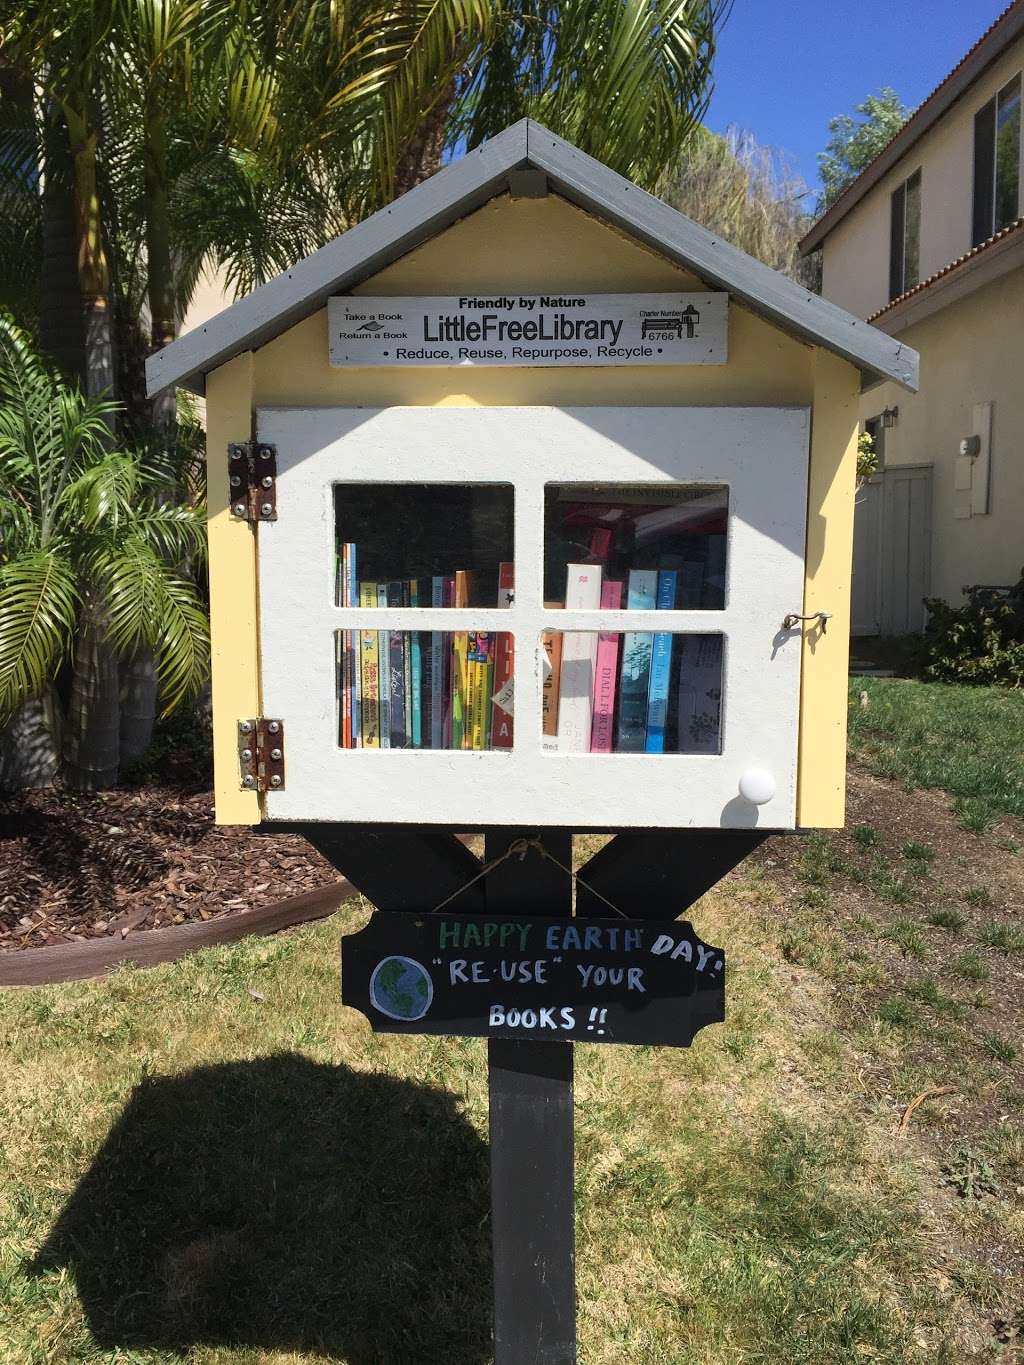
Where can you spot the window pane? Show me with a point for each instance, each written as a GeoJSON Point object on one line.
{"type": "Point", "coordinates": [1007, 190]}
{"type": "Point", "coordinates": [642, 546]}
{"type": "Point", "coordinates": [898, 205]}
{"type": "Point", "coordinates": [912, 234]}
{"type": "Point", "coordinates": [984, 171]}
{"type": "Point", "coordinates": [422, 689]}
{"type": "Point", "coordinates": [422, 545]}
{"type": "Point", "coordinates": [632, 692]}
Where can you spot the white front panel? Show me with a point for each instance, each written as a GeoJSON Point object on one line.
{"type": "Point", "coordinates": [760, 454]}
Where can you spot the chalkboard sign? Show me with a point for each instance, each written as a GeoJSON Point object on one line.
{"type": "Point", "coordinates": [534, 978]}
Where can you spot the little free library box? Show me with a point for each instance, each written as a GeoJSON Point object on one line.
{"type": "Point", "coordinates": [531, 512]}
{"type": "Point", "coordinates": [531, 504]}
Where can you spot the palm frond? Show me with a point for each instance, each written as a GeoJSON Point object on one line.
{"type": "Point", "coordinates": [183, 647]}
{"type": "Point", "coordinates": [38, 605]}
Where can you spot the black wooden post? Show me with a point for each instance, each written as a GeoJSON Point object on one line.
{"type": "Point", "coordinates": [531, 1121]}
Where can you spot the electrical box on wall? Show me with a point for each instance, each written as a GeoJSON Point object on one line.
{"type": "Point", "coordinates": [539, 522]}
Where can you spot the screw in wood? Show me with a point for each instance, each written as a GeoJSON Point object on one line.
{"type": "Point", "coordinates": [248, 780]}
{"type": "Point", "coordinates": [275, 781]}
{"type": "Point", "coordinates": [275, 754]}
{"type": "Point", "coordinates": [239, 509]}
{"type": "Point", "coordinates": [273, 727]}
{"type": "Point", "coordinates": [266, 509]}
{"type": "Point", "coordinates": [267, 481]}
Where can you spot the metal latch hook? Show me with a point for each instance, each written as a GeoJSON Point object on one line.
{"type": "Point", "coordinates": [822, 618]}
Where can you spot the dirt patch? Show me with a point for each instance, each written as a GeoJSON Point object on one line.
{"type": "Point", "coordinates": [73, 867]}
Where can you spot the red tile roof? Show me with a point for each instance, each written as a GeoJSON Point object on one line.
{"type": "Point", "coordinates": [1009, 231]}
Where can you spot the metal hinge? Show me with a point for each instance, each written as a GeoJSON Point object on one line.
{"type": "Point", "coordinates": [252, 481]}
{"type": "Point", "coordinates": [261, 754]}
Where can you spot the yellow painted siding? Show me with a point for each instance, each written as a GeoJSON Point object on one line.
{"type": "Point", "coordinates": [537, 246]}
{"type": "Point", "coordinates": [821, 774]}
{"type": "Point", "coordinates": [534, 246]}
{"type": "Point", "coordinates": [233, 599]}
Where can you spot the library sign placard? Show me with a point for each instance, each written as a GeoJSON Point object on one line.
{"type": "Point", "coordinates": [531, 329]}
{"type": "Point", "coordinates": [534, 978]}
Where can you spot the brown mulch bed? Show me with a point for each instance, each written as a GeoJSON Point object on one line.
{"type": "Point", "coordinates": [80, 867]}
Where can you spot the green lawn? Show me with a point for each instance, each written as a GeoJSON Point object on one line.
{"type": "Point", "coordinates": [215, 1162]}
{"type": "Point", "coordinates": [968, 741]}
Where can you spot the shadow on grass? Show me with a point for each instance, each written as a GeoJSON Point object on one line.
{"type": "Point", "coordinates": [285, 1205]}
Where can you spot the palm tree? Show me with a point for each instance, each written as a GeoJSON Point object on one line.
{"type": "Point", "coordinates": [88, 540]}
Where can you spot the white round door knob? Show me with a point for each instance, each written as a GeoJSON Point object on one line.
{"type": "Point", "coordinates": [757, 786]}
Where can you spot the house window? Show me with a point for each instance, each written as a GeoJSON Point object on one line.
{"type": "Point", "coordinates": [875, 428]}
{"type": "Point", "coordinates": [905, 241]}
{"type": "Point", "coordinates": [997, 163]}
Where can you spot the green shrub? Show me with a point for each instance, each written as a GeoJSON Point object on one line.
{"type": "Point", "coordinates": [980, 642]}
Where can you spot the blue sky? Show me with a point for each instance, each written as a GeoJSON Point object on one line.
{"type": "Point", "coordinates": [784, 69]}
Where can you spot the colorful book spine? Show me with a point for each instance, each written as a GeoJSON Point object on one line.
{"type": "Point", "coordinates": [422, 736]}
{"type": "Point", "coordinates": [600, 544]}
{"type": "Point", "coordinates": [415, 674]}
{"type": "Point", "coordinates": [606, 674]}
{"type": "Point", "coordinates": [460, 668]}
{"type": "Point", "coordinates": [579, 660]}
{"type": "Point", "coordinates": [460, 690]}
{"type": "Point", "coordinates": [661, 667]}
{"type": "Point", "coordinates": [552, 661]}
{"type": "Point", "coordinates": [437, 667]}
{"type": "Point", "coordinates": [407, 601]}
{"type": "Point", "coordinates": [449, 667]}
{"type": "Point", "coordinates": [369, 675]}
{"type": "Point", "coordinates": [396, 667]}
{"type": "Point", "coordinates": [480, 670]}
{"type": "Point", "coordinates": [384, 673]}
{"type": "Point", "coordinates": [635, 673]}
{"type": "Point", "coordinates": [504, 663]}
{"type": "Point", "coordinates": [700, 694]}
{"type": "Point", "coordinates": [354, 671]}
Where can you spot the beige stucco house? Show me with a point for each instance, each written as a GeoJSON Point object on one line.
{"type": "Point", "coordinates": [928, 245]}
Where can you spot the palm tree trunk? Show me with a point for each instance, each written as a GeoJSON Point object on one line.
{"type": "Point", "coordinates": [423, 155]}
{"type": "Point", "coordinates": [160, 269]}
{"type": "Point", "coordinates": [93, 268]}
{"type": "Point", "coordinates": [61, 333]}
{"type": "Point", "coordinates": [92, 739]}
{"type": "Point", "coordinates": [91, 747]}
{"type": "Point", "coordinates": [30, 744]}
{"type": "Point", "coordinates": [139, 691]}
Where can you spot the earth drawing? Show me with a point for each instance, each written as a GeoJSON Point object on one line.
{"type": "Point", "coordinates": [401, 988]}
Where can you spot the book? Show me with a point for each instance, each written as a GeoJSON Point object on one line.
{"type": "Point", "coordinates": [448, 594]}
{"type": "Point", "coordinates": [346, 670]}
{"type": "Point", "coordinates": [384, 673]}
{"type": "Point", "coordinates": [552, 664]}
{"type": "Point", "coordinates": [351, 599]}
{"type": "Point", "coordinates": [502, 691]}
{"type": "Point", "coordinates": [479, 667]}
{"type": "Point", "coordinates": [460, 667]}
{"type": "Point", "coordinates": [426, 692]}
{"type": "Point", "coordinates": [606, 674]}
{"type": "Point", "coordinates": [407, 601]}
{"type": "Point", "coordinates": [460, 690]}
{"type": "Point", "coordinates": [661, 666]}
{"type": "Point", "coordinates": [396, 676]}
{"type": "Point", "coordinates": [579, 658]}
{"type": "Point", "coordinates": [635, 672]}
{"type": "Point", "coordinates": [700, 694]}
{"type": "Point", "coordinates": [437, 670]}
{"type": "Point", "coordinates": [600, 544]}
{"type": "Point", "coordinates": [370, 712]}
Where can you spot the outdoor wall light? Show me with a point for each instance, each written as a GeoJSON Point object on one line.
{"type": "Point", "coordinates": [890, 417]}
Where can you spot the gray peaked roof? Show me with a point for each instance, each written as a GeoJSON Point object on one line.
{"type": "Point", "coordinates": [466, 185]}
